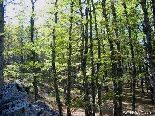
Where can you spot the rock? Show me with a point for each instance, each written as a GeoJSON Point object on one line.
{"type": "Point", "coordinates": [43, 109]}
{"type": "Point", "coordinates": [13, 102]}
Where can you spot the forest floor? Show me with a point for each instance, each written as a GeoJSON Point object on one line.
{"type": "Point", "coordinates": [144, 106]}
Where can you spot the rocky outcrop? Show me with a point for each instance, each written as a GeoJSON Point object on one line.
{"type": "Point", "coordinates": [13, 102]}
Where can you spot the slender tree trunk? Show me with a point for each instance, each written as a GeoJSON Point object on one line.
{"type": "Point", "coordinates": [54, 67]}
{"type": "Point", "coordinates": [69, 80]}
{"type": "Point", "coordinates": [133, 61]}
{"type": "Point", "coordinates": [1, 42]}
{"type": "Point", "coordinates": [147, 32]}
{"type": "Point", "coordinates": [153, 12]}
{"type": "Point", "coordinates": [142, 80]}
{"type": "Point", "coordinates": [33, 52]}
{"type": "Point", "coordinates": [85, 81]}
{"type": "Point", "coordinates": [153, 16]}
{"type": "Point", "coordinates": [82, 44]}
{"type": "Point", "coordinates": [133, 73]}
{"type": "Point", "coordinates": [106, 72]}
{"type": "Point", "coordinates": [119, 67]}
{"type": "Point", "coordinates": [92, 65]}
{"type": "Point", "coordinates": [99, 61]}
{"type": "Point", "coordinates": [113, 64]}
{"type": "Point", "coordinates": [142, 85]}
{"type": "Point", "coordinates": [147, 81]}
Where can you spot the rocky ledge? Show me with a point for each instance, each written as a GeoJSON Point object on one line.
{"type": "Point", "coordinates": [13, 102]}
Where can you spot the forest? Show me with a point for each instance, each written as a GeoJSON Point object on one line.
{"type": "Point", "coordinates": [90, 56]}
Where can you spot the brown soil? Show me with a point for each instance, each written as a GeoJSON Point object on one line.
{"type": "Point", "coordinates": [144, 106]}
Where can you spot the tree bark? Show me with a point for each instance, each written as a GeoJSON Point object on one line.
{"type": "Point", "coordinates": [99, 62]}
{"type": "Point", "coordinates": [113, 64]}
{"type": "Point", "coordinates": [82, 44]}
{"type": "Point", "coordinates": [153, 14]}
{"type": "Point", "coordinates": [119, 67]}
{"type": "Point", "coordinates": [147, 32]}
{"type": "Point", "coordinates": [69, 80]}
{"type": "Point", "coordinates": [133, 72]}
{"type": "Point", "coordinates": [33, 58]}
{"type": "Point", "coordinates": [54, 67]}
{"type": "Point", "coordinates": [133, 68]}
{"type": "Point", "coordinates": [92, 66]}
{"type": "Point", "coordinates": [84, 63]}
{"type": "Point", "coordinates": [1, 42]}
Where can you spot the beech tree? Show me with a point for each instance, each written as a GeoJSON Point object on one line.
{"type": "Point", "coordinates": [147, 32]}
{"type": "Point", "coordinates": [69, 62]}
{"type": "Point", "coordinates": [33, 57]}
{"type": "Point", "coordinates": [53, 72]}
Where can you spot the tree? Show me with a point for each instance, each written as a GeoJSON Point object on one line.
{"type": "Point", "coordinates": [153, 14]}
{"type": "Point", "coordinates": [69, 78]}
{"type": "Point", "coordinates": [119, 65]}
{"type": "Point", "coordinates": [112, 58]}
{"type": "Point", "coordinates": [132, 56]}
{"type": "Point", "coordinates": [92, 66]}
{"type": "Point", "coordinates": [85, 58]}
{"type": "Point", "coordinates": [33, 57]}
{"type": "Point", "coordinates": [53, 46]}
{"type": "Point", "coordinates": [1, 41]}
{"type": "Point", "coordinates": [98, 80]}
{"type": "Point", "coordinates": [147, 32]}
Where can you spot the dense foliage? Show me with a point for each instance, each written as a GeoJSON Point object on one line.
{"type": "Point", "coordinates": [88, 50]}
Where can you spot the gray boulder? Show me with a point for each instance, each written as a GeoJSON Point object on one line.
{"type": "Point", "coordinates": [13, 102]}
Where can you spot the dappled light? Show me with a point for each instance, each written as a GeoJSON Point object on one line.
{"type": "Point", "coordinates": [79, 57]}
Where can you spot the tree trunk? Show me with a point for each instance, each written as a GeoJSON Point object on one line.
{"type": "Point", "coordinates": [92, 66]}
{"type": "Point", "coordinates": [69, 80]}
{"type": "Point", "coordinates": [33, 52]}
{"type": "Point", "coordinates": [1, 42]}
{"type": "Point", "coordinates": [133, 68]}
{"type": "Point", "coordinates": [82, 44]}
{"type": "Point", "coordinates": [99, 62]}
{"type": "Point", "coordinates": [113, 64]}
{"type": "Point", "coordinates": [147, 32]}
{"type": "Point", "coordinates": [84, 63]}
{"type": "Point", "coordinates": [54, 68]}
{"type": "Point", "coordinates": [133, 73]}
{"type": "Point", "coordinates": [119, 67]}
{"type": "Point", "coordinates": [153, 12]}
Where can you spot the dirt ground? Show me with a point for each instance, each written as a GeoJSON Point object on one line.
{"type": "Point", "coordinates": [144, 106]}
